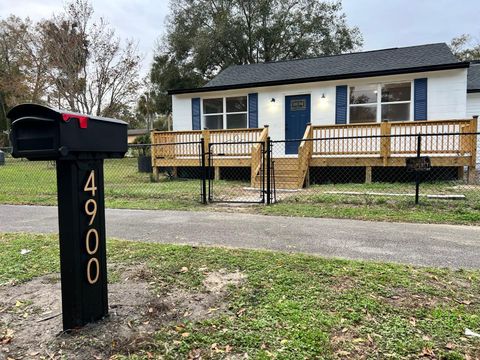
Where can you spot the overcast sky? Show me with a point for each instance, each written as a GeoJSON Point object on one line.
{"type": "Point", "coordinates": [383, 23]}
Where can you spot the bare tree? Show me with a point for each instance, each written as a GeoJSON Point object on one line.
{"type": "Point", "coordinates": [466, 47]}
{"type": "Point", "coordinates": [90, 69]}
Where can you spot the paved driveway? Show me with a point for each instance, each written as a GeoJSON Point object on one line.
{"type": "Point", "coordinates": [419, 244]}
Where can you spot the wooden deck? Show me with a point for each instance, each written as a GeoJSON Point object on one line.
{"type": "Point", "coordinates": [369, 145]}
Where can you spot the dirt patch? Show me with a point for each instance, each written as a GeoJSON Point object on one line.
{"type": "Point", "coordinates": [218, 282]}
{"type": "Point", "coordinates": [207, 303]}
{"type": "Point", "coordinates": [405, 299]}
{"type": "Point", "coordinates": [348, 344]}
{"type": "Point", "coordinates": [31, 322]}
{"type": "Point", "coordinates": [342, 284]}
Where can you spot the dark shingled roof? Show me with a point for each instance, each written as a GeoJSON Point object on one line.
{"type": "Point", "coordinates": [473, 78]}
{"type": "Point", "coordinates": [354, 65]}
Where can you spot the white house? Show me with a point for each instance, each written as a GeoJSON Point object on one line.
{"type": "Point", "coordinates": [398, 91]}
{"type": "Point", "coordinates": [410, 83]}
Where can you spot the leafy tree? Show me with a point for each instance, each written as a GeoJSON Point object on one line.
{"type": "Point", "coordinates": [465, 47]}
{"type": "Point", "coordinates": [206, 36]}
{"type": "Point", "coordinates": [169, 73]}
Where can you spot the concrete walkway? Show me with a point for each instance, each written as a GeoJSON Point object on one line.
{"type": "Point", "coordinates": [419, 244]}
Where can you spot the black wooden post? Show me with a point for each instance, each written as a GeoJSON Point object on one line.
{"type": "Point", "coordinates": [417, 172]}
{"type": "Point", "coordinates": [83, 258]}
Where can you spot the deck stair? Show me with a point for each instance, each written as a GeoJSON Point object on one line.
{"type": "Point", "coordinates": [286, 174]}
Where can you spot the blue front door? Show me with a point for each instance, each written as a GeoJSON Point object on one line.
{"type": "Point", "coordinates": [297, 116]}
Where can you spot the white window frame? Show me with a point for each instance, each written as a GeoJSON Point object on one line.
{"type": "Point", "coordinates": [379, 102]}
{"type": "Point", "coordinates": [224, 113]}
{"type": "Point", "coordinates": [204, 125]}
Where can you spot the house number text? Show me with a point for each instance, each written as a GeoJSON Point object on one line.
{"type": "Point", "coordinates": [92, 238]}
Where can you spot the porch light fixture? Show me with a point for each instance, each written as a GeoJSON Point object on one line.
{"type": "Point", "coordinates": [322, 103]}
{"type": "Point", "coordinates": [273, 100]}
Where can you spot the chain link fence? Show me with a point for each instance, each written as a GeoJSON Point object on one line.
{"type": "Point", "coordinates": [129, 182]}
{"type": "Point", "coordinates": [236, 172]}
{"type": "Point", "coordinates": [427, 169]}
{"type": "Point", "coordinates": [395, 170]}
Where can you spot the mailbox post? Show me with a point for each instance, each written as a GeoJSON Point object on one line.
{"type": "Point", "coordinates": [78, 144]}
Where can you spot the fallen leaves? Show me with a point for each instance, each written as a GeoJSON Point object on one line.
{"type": "Point", "coordinates": [427, 352]}
{"type": "Point", "coordinates": [216, 348]}
{"type": "Point", "coordinates": [7, 337]}
{"type": "Point", "coordinates": [450, 346]}
{"type": "Point", "coordinates": [241, 312]}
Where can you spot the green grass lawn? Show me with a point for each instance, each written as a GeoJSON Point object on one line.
{"type": "Point", "coordinates": [328, 201]}
{"type": "Point", "coordinates": [24, 182]}
{"type": "Point", "coordinates": [288, 306]}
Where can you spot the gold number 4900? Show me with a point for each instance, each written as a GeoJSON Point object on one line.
{"type": "Point", "coordinates": [90, 184]}
{"type": "Point", "coordinates": [91, 210]}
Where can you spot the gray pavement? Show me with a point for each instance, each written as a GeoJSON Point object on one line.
{"type": "Point", "coordinates": [418, 244]}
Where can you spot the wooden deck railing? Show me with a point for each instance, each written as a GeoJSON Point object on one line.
{"type": "Point", "coordinates": [175, 144]}
{"type": "Point", "coordinates": [257, 155]}
{"type": "Point", "coordinates": [185, 144]}
{"type": "Point", "coordinates": [305, 151]}
{"type": "Point", "coordinates": [384, 140]}
{"type": "Point", "coordinates": [355, 140]}
{"type": "Point", "coordinates": [233, 142]}
{"type": "Point", "coordinates": [342, 146]}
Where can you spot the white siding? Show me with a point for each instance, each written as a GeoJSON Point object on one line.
{"type": "Point", "coordinates": [473, 104]}
{"type": "Point", "coordinates": [182, 112]}
{"type": "Point", "coordinates": [446, 99]}
{"type": "Point", "coordinates": [447, 94]}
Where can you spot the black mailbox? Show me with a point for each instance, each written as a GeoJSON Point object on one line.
{"type": "Point", "coordinates": [42, 133]}
{"type": "Point", "coordinates": [78, 143]}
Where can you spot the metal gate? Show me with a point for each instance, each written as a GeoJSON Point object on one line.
{"type": "Point", "coordinates": [227, 182]}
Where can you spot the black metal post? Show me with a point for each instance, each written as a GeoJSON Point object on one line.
{"type": "Point", "coordinates": [209, 171]}
{"type": "Point", "coordinates": [417, 173]}
{"type": "Point", "coordinates": [268, 160]}
{"type": "Point", "coordinates": [203, 171]}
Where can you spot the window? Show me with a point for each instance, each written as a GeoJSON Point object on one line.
{"type": "Point", "coordinates": [225, 113]}
{"type": "Point", "coordinates": [236, 112]}
{"type": "Point", "coordinates": [396, 101]}
{"type": "Point", "coordinates": [363, 104]}
{"type": "Point", "coordinates": [380, 102]}
{"type": "Point", "coordinates": [213, 113]}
